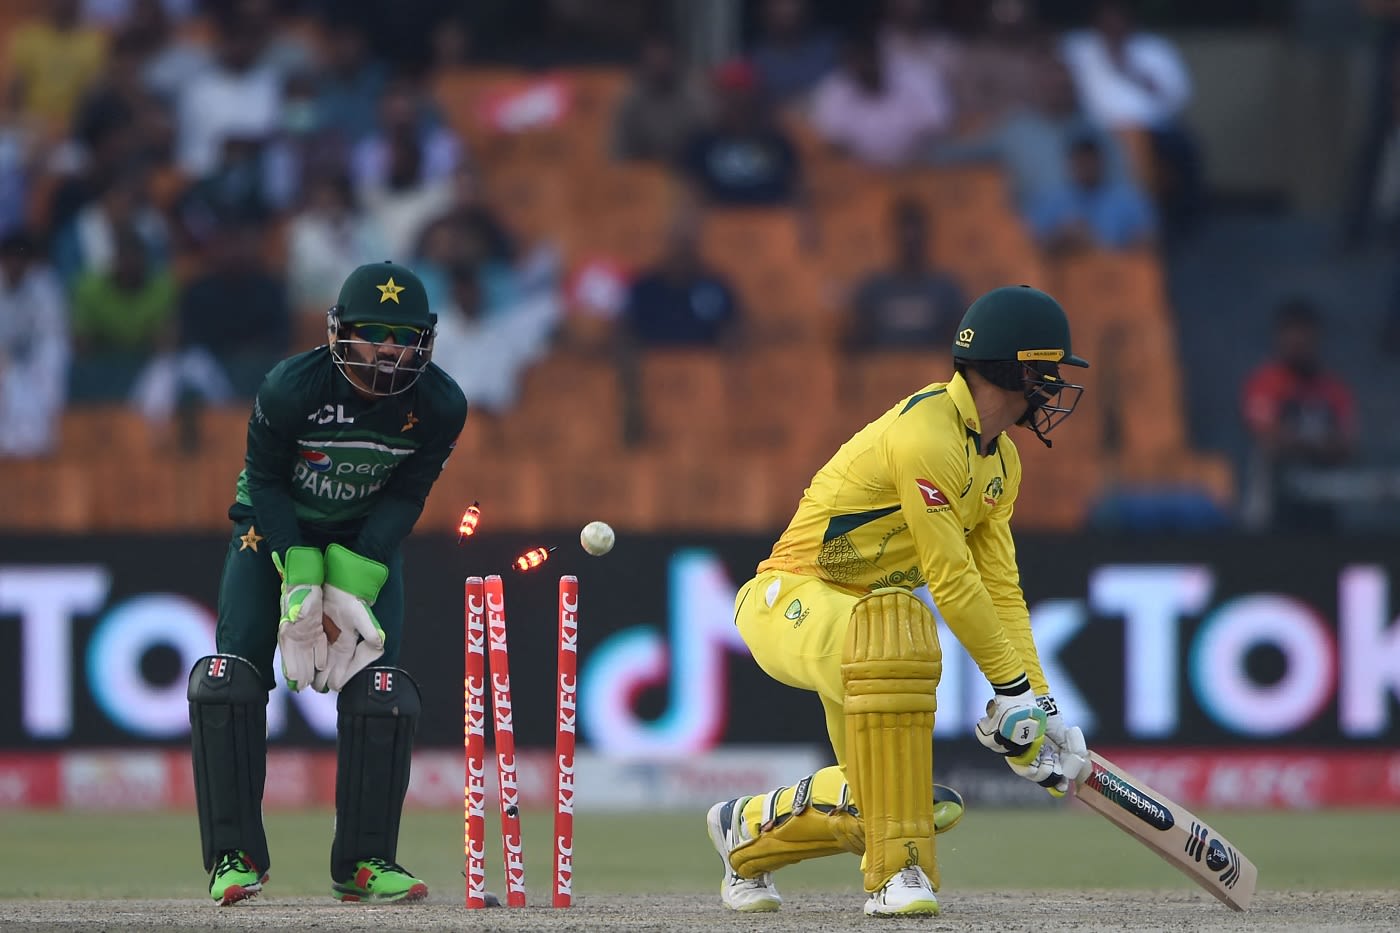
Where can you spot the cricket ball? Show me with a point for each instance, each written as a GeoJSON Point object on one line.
{"type": "Point", "coordinates": [597, 538]}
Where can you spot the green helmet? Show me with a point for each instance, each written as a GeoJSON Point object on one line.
{"type": "Point", "coordinates": [1017, 338]}
{"type": "Point", "coordinates": [1015, 323]}
{"type": "Point", "coordinates": [383, 306]}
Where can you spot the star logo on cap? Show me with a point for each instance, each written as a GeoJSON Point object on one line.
{"type": "Point", "coordinates": [389, 291]}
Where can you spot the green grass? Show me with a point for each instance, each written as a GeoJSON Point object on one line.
{"type": "Point", "coordinates": [92, 855]}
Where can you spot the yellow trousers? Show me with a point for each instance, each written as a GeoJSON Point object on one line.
{"type": "Point", "coordinates": [795, 627]}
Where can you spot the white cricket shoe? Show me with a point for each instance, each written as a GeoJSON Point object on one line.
{"type": "Point", "coordinates": [749, 895]}
{"type": "Point", "coordinates": [907, 893]}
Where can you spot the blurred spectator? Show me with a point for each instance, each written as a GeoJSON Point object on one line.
{"type": "Point", "coordinates": [680, 302]}
{"type": "Point", "coordinates": [303, 147]}
{"type": "Point", "coordinates": [406, 120]}
{"type": "Point", "coordinates": [233, 319]}
{"type": "Point", "coordinates": [1299, 417]}
{"type": "Point", "coordinates": [350, 84]}
{"type": "Point", "coordinates": [912, 304]}
{"type": "Point", "coordinates": [1032, 142]}
{"type": "Point", "coordinates": [121, 102]}
{"type": "Point", "coordinates": [453, 42]}
{"type": "Point", "coordinates": [237, 97]}
{"type": "Point", "coordinates": [793, 56]}
{"type": "Point", "coordinates": [281, 49]}
{"type": "Point", "coordinates": [882, 111]}
{"type": "Point", "coordinates": [402, 205]}
{"type": "Point", "coordinates": [1135, 80]}
{"type": "Point", "coordinates": [326, 242]}
{"type": "Point", "coordinates": [19, 151]}
{"type": "Point", "coordinates": [488, 353]}
{"type": "Point", "coordinates": [1382, 123]}
{"type": "Point", "coordinates": [467, 232]}
{"type": "Point", "coordinates": [238, 190]}
{"type": "Point", "coordinates": [34, 349]}
{"type": "Point", "coordinates": [169, 62]}
{"type": "Point", "coordinates": [89, 243]}
{"type": "Point", "coordinates": [1094, 210]}
{"type": "Point", "coordinates": [662, 109]}
{"type": "Point", "coordinates": [51, 61]}
{"type": "Point", "coordinates": [127, 307]}
{"type": "Point", "coordinates": [115, 13]}
{"type": "Point", "coordinates": [237, 304]}
{"type": "Point", "coordinates": [743, 158]}
{"type": "Point", "coordinates": [1006, 67]}
{"type": "Point", "coordinates": [909, 44]}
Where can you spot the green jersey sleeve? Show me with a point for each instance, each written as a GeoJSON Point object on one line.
{"type": "Point", "coordinates": [271, 456]}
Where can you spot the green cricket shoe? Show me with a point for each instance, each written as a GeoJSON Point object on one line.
{"type": "Point", "coordinates": [378, 880]}
{"type": "Point", "coordinates": [235, 878]}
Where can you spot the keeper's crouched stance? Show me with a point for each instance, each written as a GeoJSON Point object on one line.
{"type": "Point", "coordinates": [344, 444]}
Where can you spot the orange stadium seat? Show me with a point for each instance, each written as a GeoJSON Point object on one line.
{"type": "Point", "coordinates": [780, 398]}
{"type": "Point", "coordinates": [682, 395]}
{"type": "Point", "coordinates": [732, 492]}
{"type": "Point", "coordinates": [628, 488]}
{"type": "Point", "coordinates": [855, 236]}
{"type": "Point", "coordinates": [623, 212]}
{"type": "Point", "coordinates": [512, 493]}
{"type": "Point", "coordinates": [533, 205]}
{"type": "Point", "coordinates": [874, 382]}
{"type": "Point", "coordinates": [462, 93]}
{"type": "Point", "coordinates": [734, 239]}
{"type": "Point", "coordinates": [972, 189]}
{"type": "Point", "coordinates": [570, 406]}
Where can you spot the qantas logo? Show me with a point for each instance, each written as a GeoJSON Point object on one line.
{"type": "Point", "coordinates": [933, 496]}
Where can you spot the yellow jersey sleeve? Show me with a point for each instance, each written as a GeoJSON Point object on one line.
{"type": "Point", "coordinates": [929, 468]}
{"type": "Point", "coordinates": [995, 554]}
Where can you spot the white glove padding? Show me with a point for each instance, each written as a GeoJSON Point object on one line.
{"type": "Point", "coordinates": [299, 631]}
{"type": "Point", "coordinates": [302, 641]}
{"type": "Point", "coordinates": [361, 640]}
{"type": "Point", "coordinates": [1068, 741]}
{"type": "Point", "coordinates": [1014, 726]}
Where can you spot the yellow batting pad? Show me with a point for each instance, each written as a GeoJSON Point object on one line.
{"type": "Point", "coordinates": [891, 666]}
{"type": "Point", "coordinates": [811, 819]}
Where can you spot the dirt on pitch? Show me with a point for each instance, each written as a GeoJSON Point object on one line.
{"type": "Point", "coordinates": [974, 912]}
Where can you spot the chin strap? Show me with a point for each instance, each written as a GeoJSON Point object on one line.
{"type": "Point", "coordinates": [1036, 431]}
{"type": "Point", "coordinates": [1028, 421]}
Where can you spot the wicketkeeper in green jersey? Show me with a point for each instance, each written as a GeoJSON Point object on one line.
{"type": "Point", "coordinates": [344, 443]}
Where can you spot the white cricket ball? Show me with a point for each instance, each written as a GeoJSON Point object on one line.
{"type": "Point", "coordinates": [597, 538]}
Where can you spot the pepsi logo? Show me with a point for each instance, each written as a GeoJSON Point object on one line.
{"type": "Point", "coordinates": [318, 460]}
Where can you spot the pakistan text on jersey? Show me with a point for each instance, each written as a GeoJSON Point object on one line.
{"type": "Point", "coordinates": [328, 487]}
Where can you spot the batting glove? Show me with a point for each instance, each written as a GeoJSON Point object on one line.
{"type": "Point", "coordinates": [1014, 726]}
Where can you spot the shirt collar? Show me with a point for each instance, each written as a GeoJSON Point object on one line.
{"type": "Point", "coordinates": [961, 395]}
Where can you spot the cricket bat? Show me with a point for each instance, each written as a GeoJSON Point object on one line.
{"type": "Point", "coordinates": [1170, 830]}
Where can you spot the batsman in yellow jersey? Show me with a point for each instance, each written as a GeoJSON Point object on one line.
{"type": "Point", "coordinates": [913, 512]}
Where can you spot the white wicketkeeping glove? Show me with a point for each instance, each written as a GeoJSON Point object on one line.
{"type": "Point", "coordinates": [300, 635]}
{"type": "Point", "coordinates": [352, 585]}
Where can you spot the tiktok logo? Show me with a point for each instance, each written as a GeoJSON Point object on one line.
{"type": "Point", "coordinates": [692, 658]}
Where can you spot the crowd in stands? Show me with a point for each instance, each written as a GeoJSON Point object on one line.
{"type": "Point", "coordinates": [184, 184]}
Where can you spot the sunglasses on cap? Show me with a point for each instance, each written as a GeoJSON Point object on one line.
{"type": "Point", "coordinates": [404, 335]}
